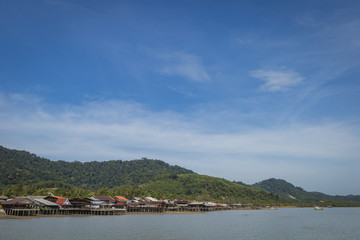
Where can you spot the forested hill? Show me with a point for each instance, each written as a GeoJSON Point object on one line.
{"type": "Point", "coordinates": [21, 167]}
{"type": "Point", "coordinates": [202, 187]}
{"type": "Point", "coordinates": [289, 192]}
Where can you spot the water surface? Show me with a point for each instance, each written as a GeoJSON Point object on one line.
{"type": "Point", "coordinates": [299, 223]}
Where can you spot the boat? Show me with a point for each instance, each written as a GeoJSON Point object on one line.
{"type": "Point", "coordinates": [318, 208]}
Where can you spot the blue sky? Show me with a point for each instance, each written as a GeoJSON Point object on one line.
{"type": "Point", "coordinates": [242, 90]}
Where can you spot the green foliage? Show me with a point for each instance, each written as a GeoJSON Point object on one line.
{"type": "Point", "coordinates": [201, 187]}
{"type": "Point", "coordinates": [284, 189]}
{"type": "Point", "coordinates": [20, 167]}
{"type": "Point", "coordinates": [45, 188]}
{"type": "Point", "coordinates": [22, 173]}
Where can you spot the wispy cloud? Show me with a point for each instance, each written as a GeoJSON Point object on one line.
{"type": "Point", "coordinates": [181, 90]}
{"type": "Point", "coordinates": [339, 28]}
{"type": "Point", "coordinates": [185, 65]}
{"type": "Point", "coordinates": [277, 80]}
{"type": "Point", "coordinates": [124, 130]}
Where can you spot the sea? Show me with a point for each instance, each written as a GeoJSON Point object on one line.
{"type": "Point", "coordinates": [285, 223]}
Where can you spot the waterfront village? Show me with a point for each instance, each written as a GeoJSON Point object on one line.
{"type": "Point", "coordinates": [105, 205]}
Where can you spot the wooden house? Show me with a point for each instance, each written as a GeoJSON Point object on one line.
{"type": "Point", "coordinates": [119, 205]}
{"type": "Point", "coordinates": [43, 203]}
{"type": "Point", "coordinates": [19, 203]}
{"type": "Point", "coordinates": [45, 206]}
{"type": "Point", "coordinates": [20, 206]}
{"type": "Point", "coordinates": [61, 201]}
{"type": "Point", "coordinates": [101, 201]}
{"type": "Point", "coordinates": [151, 199]}
{"type": "Point", "coordinates": [181, 203]}
{"type": "Point", "coordinates": [146, 206]}
{"type": "Point", "coordinates": [80, 203]}
{"type": "Point", "coordinates": [3, 198]}
{"type": "Point", "coordinates": [196, 205]}
{"type": "Point", "coordinates": [107, 199]}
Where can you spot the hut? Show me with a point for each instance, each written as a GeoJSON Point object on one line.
{"type": "Point", "coordinates": [181, 203]}
{"type": "Point", "coordinates": [101, 201]}
{"type": "Point", "coordinates": [20, 206]}
{"type": "Point", "coordinates": [107, 199]}
{"type": "Point", "coordinates": [151, 199]}
{"type": "Point", "coordinates": [119, 205]}
{"type": "Point", "coordinates": [3, 198]}
{"type": "Point", "coordinates": [80, 203]}
{"type": "Point", "coordinates": [146, 206]}
{"type": "Point", "coordinates": [61, 201]}
{"type": "Point", "coordinates": [45, 206]}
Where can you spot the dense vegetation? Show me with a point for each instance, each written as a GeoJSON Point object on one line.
{"type": "Point", "coordinates": [20, 167]}
{"type": "Point", "coordinates": [169, 186]}
{"type": "Point", "coordinates": [201, 187]}
{"type": "Point", "coordinates": [22, 173]}
{"type": "Point", "coordinates": [297, 194]}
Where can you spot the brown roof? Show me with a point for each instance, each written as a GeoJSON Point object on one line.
{"type": "Point", "coordinates": [76, 201]}
{"type": "Point", "coordinates": [19, 201]}
{"type": "Point", "coordinates": [181, 201]}
{"type": "Point", "coordinates": [104, 198]}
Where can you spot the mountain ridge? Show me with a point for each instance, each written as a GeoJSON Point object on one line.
{"type": "Point", "coordinates": [292, 193]}
{"type": "Point", "coordinates": [24, 168]}
{"type": "Point", "coordinates": [23, 173]}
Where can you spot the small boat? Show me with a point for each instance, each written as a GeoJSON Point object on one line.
{"type": "Point", "coordinates": [273, 208]}
{"type": "Point", "coordinates": [318, 208]}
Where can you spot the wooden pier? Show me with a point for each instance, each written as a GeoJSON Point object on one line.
{"type": "Point", "coordinates": [22, 212]}
{"type": "Point", "coordinates": [109, 212]}
{"type": "Point", "coordinates": [90, 211]}
{"type": "Point", "coordinates": [69, 211]}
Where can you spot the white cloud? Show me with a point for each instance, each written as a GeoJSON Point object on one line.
{"type": "Point", "coordinates": [121, 130]}
{"type": "Point", "coordinates": [277, 80]}
{"type": "Point", "coordinates": [340, 28]}
{"type": "Point", "coordinates": [188, 66]}
{"type": "Point", "coordinates": [181, 90]}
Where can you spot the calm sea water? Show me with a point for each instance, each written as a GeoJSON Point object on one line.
{"type": "Point", "coordinates": [332, 223]}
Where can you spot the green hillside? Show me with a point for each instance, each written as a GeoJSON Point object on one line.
{"type": "Point", "coordinates": [291, 193]}
{"type": "Point", "coordinates": [23, 173]}
{"type": "Point", "coordinates": [21, 167]}
{"type": "Point", "coordinates": [201, 187]}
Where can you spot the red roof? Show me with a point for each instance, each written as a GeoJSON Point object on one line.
{"type": "Point", "coordinates": [61, 201]}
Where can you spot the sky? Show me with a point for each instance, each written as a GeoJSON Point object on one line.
{"type": "Point", "coordinates": [241, 90]}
